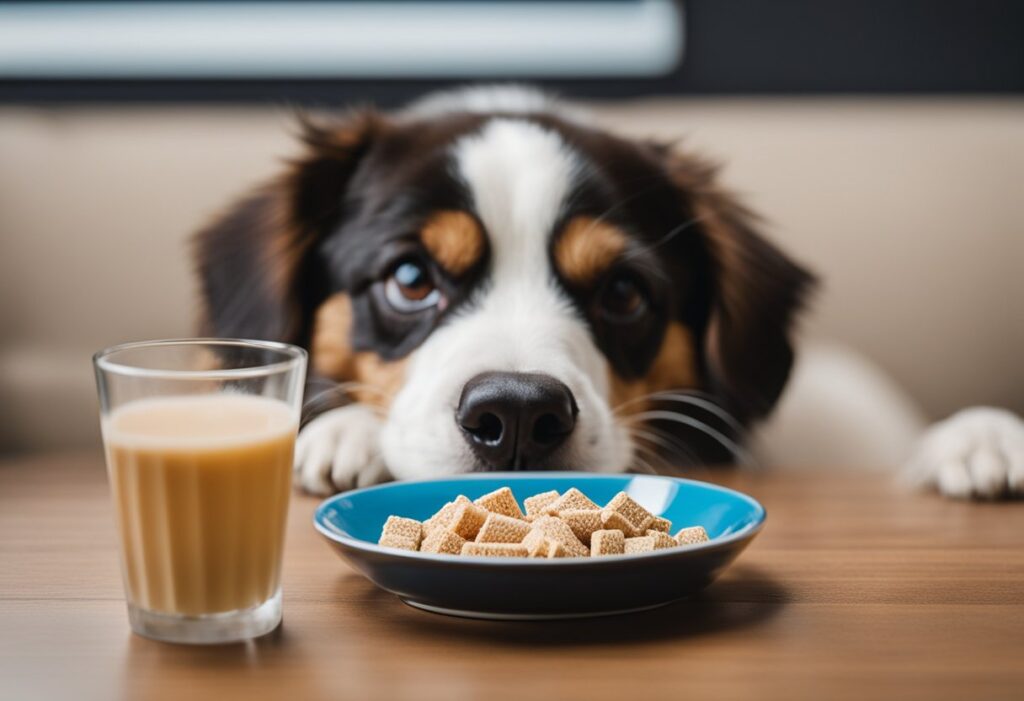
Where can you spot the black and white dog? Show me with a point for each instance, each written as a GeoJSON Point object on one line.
{"type": "Point", "coordinates": [488, 282]}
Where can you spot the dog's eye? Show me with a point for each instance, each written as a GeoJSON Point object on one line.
{"type": "Point", "coordinates": [623, 298]}
{"type": "Point", "coordinates": [409, 287]}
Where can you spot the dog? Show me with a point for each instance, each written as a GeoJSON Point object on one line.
{"type": "Point", "coordinates": [486, 281]}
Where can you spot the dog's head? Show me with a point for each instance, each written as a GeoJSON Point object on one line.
{"type": "Point", "coordinates": [512, 287]}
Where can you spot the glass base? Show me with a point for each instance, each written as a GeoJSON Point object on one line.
{"type": "Point", "coordinates": [209, 629]}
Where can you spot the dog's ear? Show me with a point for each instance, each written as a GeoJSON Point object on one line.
{"type": "Point", "coordinates": [754, 293]}
{"type": "Point", "coordinates": [256, 275]}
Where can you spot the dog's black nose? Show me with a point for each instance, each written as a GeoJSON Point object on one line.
{"type": "Point", "coordinates": [514, 420]}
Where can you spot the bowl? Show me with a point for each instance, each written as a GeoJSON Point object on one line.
{"type": "Point", "coordinates": [525, 589]}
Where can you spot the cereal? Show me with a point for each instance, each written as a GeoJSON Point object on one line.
{"type": "Point", "coordinates": [572, 500]}
{"type": "Point", "coordinates": [539, 545]}
{"type": "Point", "coordinates": [494, 549]}
{"type": "Point", "coordinates": [558, 530]}
{"type": "Point", "coordinates": [692, 535]}
{"type": "Point", "coordinates": [637, 516]}
{"type": "Point", "coordinates": [556, 549]}
{"type": "Point", "coordinates": [583, 523]}
{"type": "Point", "coordinates": [536, 544]}
{"type": "Point", "coordinates": [404, 533]}
{"type": "Point", "coordinates": [614, 521]}
{"type": "Point", "coordinates": [536, 504]}
{"type": "Point", "coordinates": [660, 524]}
{"type": "Point", "coordinates": [607, 543]}
{"type": "Point", "coordinates": [443, 541]}
{"type": "Point", "coordinates": [554, 525]}
{"type": "Point", "coordinates": [394, 541]}
{"type": "Point", "coordinates": [502, 529]}
{"type": "Point", "coordinates": [662, 540]}
{"type": "Point", "coordinates": [443, 517]}
{"type": "Point", "coordinates": [468, 519]}
{"type": "Point", "coordinates": [641, 544]}
{"type": "Point", "coordinates": [501, 501]}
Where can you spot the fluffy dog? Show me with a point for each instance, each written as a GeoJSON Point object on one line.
{"type": "Point", "coordinates": [485, 281]}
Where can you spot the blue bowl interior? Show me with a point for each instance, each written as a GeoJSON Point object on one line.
{"type": "Point", "coordinates": [361, 514]}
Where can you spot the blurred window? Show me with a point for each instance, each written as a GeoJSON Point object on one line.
{"type": "Point", "coordinates": [429, 39]}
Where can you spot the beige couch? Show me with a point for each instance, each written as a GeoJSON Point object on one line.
{"type": "Point", "coordinates": [911, 210]}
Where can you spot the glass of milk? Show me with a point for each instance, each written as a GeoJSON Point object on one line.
{"type": "Point", "coordinates": [199, 437]}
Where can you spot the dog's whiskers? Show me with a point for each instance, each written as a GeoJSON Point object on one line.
{"type": "Point", "coordinates": [665, 442]}
{"type": "Point", "coordinates": [639, 461]}
{"type": "Point", "coordinates": [738, 452]}
{"type": "Point", "coordinates": [695, 398]}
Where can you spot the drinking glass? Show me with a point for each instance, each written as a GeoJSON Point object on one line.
{"type": "Point", "coordinates": [199, 436]}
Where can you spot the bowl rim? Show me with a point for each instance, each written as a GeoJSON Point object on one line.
{"type": "Point", "coordinates": [745, 533]}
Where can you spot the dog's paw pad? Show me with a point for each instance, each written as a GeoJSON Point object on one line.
{"type": "Point", "coordinates": [339, 450]}
{"type": "Point", "coordinates": [975, 453]}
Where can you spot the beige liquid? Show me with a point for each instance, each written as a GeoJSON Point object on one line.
{"type": "Point", "coordinates": [201, 486]}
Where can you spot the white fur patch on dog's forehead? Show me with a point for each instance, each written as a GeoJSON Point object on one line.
{"type": "Point", "coordinates": [494, 99]}
{"type": "Point", "coordinates": [519, 175]}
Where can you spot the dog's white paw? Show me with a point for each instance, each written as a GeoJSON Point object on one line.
{"type": "Point", "coordinates": [339, 450]}
{"type": "Point", "coordinates": [975, 453]}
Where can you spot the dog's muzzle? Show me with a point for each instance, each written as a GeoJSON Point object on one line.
{"type": "Point", "coordinates": [514, 421]}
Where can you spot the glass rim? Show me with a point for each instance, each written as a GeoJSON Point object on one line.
{"type": "Point", "coordinates": [295, 356]}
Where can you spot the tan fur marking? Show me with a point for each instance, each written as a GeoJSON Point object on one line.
{"type": "Point", "coordinates": [331, 351]}
{"type": "Point", "coordinates": [587, 248]}
{"type": "Point", "coordinates": [333, 357]}
{"type": "Point", "coordinates": [454, 240]}
{"type": "Point", "coordinates": [383, 379]}
{"type": "Point", "coordinates": [673, 368]}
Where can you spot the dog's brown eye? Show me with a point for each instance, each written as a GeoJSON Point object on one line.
{"type": "Point", "coordinates": [623, 298]}
{"type": "Point", "coordinates": [409, 287]}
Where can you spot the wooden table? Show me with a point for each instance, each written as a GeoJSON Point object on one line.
{"type": "Point", "coordinates": [854, 590]}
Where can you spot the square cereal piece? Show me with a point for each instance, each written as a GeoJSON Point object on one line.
{"type": "Point", "coordinates": [558, 530]}
{"type": "Point", "coordinates": [582, 522]}
{"type": "Point", "coordinates": [660, 524]}
{"type": "Point", "coordinates": [556, 549]}
{"type": "Point", "coordinates": [406, 528]}
{"type": "Point", "coordinates": [614, 521]}
{"type": "Point", "coordinates": [502, 529]}
{"type": "Point", "coordinates": [442, 541]}
{"type": "Point", "coordinates": [692, 535]}
{"type": "Point", "coordinates": [494, 549]}
{"type": "Point", "coordinates": [662, 540]}
{"type": "Point", "coordinates": [639, 517]}
{"type": "Point", "coordinates": [404, 533]}
{"type": "Point", "coordinates": [501, 501]}
{"type": "Point", "coordinates": [607, 543]}
{"type": "Point", "coordinates": [538, 502]}
{"type": "Point", "coordinates": [467, 520]}
{"type": "Point", "coordinates": [538, 545]}
{"type": "Point", "coordinates": [572, 500]}
{"type": "Point", "coordinates": [642, 544]}
{"type": "Point", "coordinates": [397, 541]}
{"type": "Point", "coordinates": [444, 516]}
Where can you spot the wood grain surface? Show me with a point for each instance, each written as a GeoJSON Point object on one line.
{"type": "Point", "coordinates": [855, 589]}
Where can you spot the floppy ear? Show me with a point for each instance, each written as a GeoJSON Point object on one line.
{"type": "Point", "coordinates": [755, 292]}
{"type": "Point", "coordinates": [257, 277]}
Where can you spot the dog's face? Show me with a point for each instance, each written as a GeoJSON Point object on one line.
{"type": "Point", "coordinates": [510, 289]}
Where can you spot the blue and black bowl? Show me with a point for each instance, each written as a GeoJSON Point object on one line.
{"type": "Point", "coordinates": [521, 588]}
